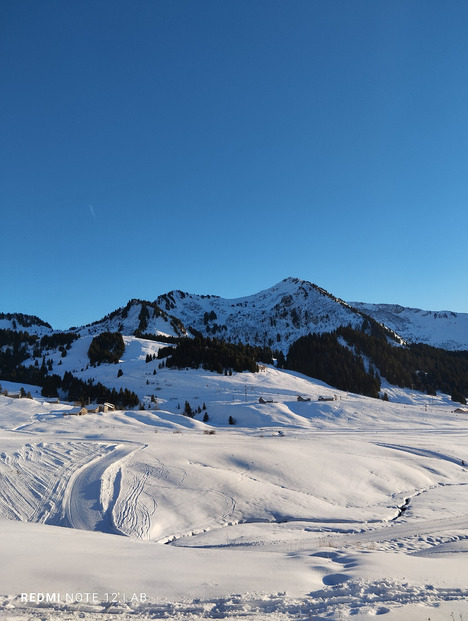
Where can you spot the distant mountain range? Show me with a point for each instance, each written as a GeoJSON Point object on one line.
{"type": "Point", "coordinates": [275, 317]}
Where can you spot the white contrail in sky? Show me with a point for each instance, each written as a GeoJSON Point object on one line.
{"type": "Point", "coordinates": [91, 209]}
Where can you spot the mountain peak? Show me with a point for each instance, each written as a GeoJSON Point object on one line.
{"type": "Point", "coordinates": [274, 317]}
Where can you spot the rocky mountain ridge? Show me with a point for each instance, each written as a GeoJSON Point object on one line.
{"type": "Point", "coordinates": [444, 329]}
{"type": "Point", "coordinates": [274, 317]}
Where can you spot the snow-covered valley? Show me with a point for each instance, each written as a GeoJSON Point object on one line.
{"type": "Point", "coordinates": [314, 509]}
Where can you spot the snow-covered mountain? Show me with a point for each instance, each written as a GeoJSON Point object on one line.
{"type": "Point", "coordinates": [137, 317]}
{"type": "Point", "coordinates": [275, 317]}
{"type": "Point", "coordinates": [187, 493]}
{"type": "Point", "coordinates": [444, 329]}
{"type": "Point", "coordinates": [25, 323]}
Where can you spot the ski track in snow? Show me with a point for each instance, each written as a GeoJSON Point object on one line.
{"type": "Point", "coordinates": [83, 506]}
{"type": "Point", "coordinates": [420, 452]}
{"type": "Point", "coordinates": [137, 502]}
{"type": "Point", "coordinates": [132, 514]}
{"type": "Point", "coordinates": [392, 535]}
{"type": "Point", "coordinates": [149, 485]}
{"type": "Point", "coordinates": [59, 483]}
{"type": "Point", "coordinates": [33, 479]}
{"type": "Point", "coordinates": [192, 491]}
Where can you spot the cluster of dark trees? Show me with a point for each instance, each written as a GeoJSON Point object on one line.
{"type": "Point", "coordinates": [24, 320]}
{"type": "Point", "coordinates": [214, 327]}
{"type": "Point", "coordinates": [16, 372]}
{"type": "Point", "coordinates": [211, 316]}
{"type": "Point", "coordinates": [74, 389]}
{"type": "Point", "coordinates": [338, 359]}
{"type": "Point", "coordinates": [69, 387]}
{"type": "Point", "coordinates": [216, 355]}
{"type": "Point", "coordinates": [152, 310]}
{"type": "Point", "coordinates": [106, 347]}
{"type": "Point", "coordinates": [192, 411]}
{"type": "Point", "coordinates": [58, 339]}
{"type": "Point", "coordinates": [14, 347]}
{"type": "Point", "coordinates": [14, 350]}
{"type": "Point", "coordinates": [78, 390]}
{"type": "Point", "coordinates": [143, 316]}
{"type": "Point", "coordinates": [15, 344]}
{"type": "Point", "coordinates": [160, 338]}
{"type": "Point", "coordinates": [418, 366]}
{"type": "Point", "coordinates": [323, 357]}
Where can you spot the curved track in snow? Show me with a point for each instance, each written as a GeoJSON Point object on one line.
{"type": "Point", "coordinates": [82, 504]}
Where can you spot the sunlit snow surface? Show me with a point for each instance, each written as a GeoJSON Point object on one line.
{"type": "Point", "coordinates": [338, 509]}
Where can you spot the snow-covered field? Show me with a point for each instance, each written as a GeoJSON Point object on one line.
{"type": "Point", "coordinates": [315, 509]}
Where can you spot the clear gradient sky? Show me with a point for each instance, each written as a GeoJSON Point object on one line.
{"type": "Point", "coordinates": [219, 146]}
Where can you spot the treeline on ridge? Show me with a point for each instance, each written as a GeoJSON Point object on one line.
{"type": "Point", "coordinates": [323, 357]}
{"type": "Point", "coordinates": [58, 339]}
{"type": "Point", "coordinates": [14, 351]}
{"type": "Point", "coordinates": [337, 358]}
{"type": "Point", "coordinates": [14, 346]}
{"type": "Point", "coordinates": [24, 320]}
{"type": "Point", "coordinates": [419, 366]}
{"type": "Point", "coordinates": [215, 355]}
{"type": "Point", "coordinates": [69, 387]}
{"type": "Point", "coordinates": [17, 341]}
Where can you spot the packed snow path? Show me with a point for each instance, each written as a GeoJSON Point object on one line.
{"type": "Point", "coordinates": [295, 513]}
{"type": "Point", "coordinates": [71, 483]}
{"type": "Point", "coordinates": [83, 501]}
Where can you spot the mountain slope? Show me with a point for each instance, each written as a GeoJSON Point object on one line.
{"type": "Point", "coordinates": [137, 317]}
{"type": "Point", "coordinates": [275, 317]}
{"type": "Point", "coordinates": [25, 323]}
{"type": "Point", "coordinates": [444, 329]}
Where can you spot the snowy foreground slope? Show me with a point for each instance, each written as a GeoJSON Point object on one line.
{"type": "Point", "coordinates": [339, 509]}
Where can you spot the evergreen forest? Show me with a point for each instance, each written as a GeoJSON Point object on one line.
{"type": "Point", "coordinates": [106, 347]}
{"type": "Point", "coordinates": [356, 360]}
{"type": "Point", "coordinates": [14, 350]}
{"type": "Point", "coordinates": [216, 355]}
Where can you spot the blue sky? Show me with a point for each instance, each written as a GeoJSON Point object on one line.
{"type": "Point", "coordinates": [221, 146]}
